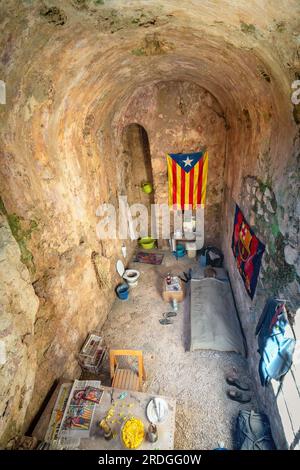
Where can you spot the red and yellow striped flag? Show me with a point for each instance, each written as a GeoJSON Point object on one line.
{"type": "Point", "coordinates": [187, 174]}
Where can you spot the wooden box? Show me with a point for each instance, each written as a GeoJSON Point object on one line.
{"type": "Point", "coordinates": [169, 295]}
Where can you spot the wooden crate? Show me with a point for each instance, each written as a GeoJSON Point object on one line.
{"type": "Point", "coordinates": [168, 296]}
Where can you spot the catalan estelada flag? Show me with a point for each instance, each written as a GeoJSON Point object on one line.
{"type": "Point", "coordinates": [187, 174]}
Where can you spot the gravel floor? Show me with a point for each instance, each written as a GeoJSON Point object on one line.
{"type": "Point", "coordinates": [204, 415]}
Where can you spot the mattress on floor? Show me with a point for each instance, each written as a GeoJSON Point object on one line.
{"type": "Point", "coordinates": [214, 321]}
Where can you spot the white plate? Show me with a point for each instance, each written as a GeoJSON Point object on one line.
{"type": "Point", "coordinates": [157, 410]}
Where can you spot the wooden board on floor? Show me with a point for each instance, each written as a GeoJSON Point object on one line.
{"type": "Point", "coordinates": [42, 425]}
{"type": "Point", "coordinates": [134, 404]}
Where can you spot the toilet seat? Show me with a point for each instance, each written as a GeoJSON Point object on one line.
{"type": "Point", "coordinates": [129, 275]}
{"type": "Point", "coordinates": [120, 268]}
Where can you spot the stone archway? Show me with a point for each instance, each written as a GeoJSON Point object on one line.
{"type": "Point", "coordinates": [138, 167]}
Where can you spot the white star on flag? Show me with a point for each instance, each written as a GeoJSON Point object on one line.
{"type": "Point", "coordinates": [188, 161]}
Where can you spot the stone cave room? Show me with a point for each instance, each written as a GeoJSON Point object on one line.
{"type": "Point", "coordinates": [149, 227]}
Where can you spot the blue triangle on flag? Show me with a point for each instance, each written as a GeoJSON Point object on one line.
{"type": "Point", "coordinates": [186, 161]}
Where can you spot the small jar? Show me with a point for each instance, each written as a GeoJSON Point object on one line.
{"type": "Point", "coordinates": [103, 424]}
{"type": "Point", "coordinates": [152, 434]}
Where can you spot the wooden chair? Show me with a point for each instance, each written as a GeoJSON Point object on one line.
{"type": "Point", "coordinates": [126, 378]}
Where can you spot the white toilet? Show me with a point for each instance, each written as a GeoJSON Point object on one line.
{"type": "Point", "coordinates": [129, 275]}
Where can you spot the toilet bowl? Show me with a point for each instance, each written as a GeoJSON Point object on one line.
{"type": "Point", "coordinates": [129, 275]}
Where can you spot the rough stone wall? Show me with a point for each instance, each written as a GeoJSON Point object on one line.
{"type": "Point", "coordinates": [18, 309]}
{"type": "Point", "coordinates": [67, 313]}
{"type": "Point", "coordinates": [183, 117]}
{"type": "Point", "coordinates": [269, 199]}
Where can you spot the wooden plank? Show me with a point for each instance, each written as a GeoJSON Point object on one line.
{"type": "Point", "coordinates": [169, 296]}
{"type": "Point", "coordinates": [124, 379]}
{"type": "Point", "coordinates": [120, 377]}
{"type": "Point", "coordinates": [126, 352]}
{"type": "Point", "coordinates": [131, 382]}
{"type": "Point", "coordinates": [128, 375]}
{"type": "Point", "coordinates": [42, 425]}
{"type": "Point", "coordinates": [116, 379]}
{"type": "Point", "coordinates": [136, 386]}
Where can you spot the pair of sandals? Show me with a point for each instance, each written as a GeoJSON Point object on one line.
{"type": "Point", "coordinates": [187, 276]}
{"type": "Point", "coordinates": [238, 395]}
{"type": "Point", "coordinates": [166, 320]}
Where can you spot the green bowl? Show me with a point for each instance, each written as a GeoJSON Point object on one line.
{"type": "Point", "coordinates": [147, 243]}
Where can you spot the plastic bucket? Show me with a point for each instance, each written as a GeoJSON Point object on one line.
{"type": "Point", "coordinates": [180, 251]}
{"type": "Point", "coordinates": [122, 291]}
{"type": "Point", "coordinates": [147, 243]}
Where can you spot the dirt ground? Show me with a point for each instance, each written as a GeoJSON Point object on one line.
{"type": "Point", "coordinates": [205, 416]}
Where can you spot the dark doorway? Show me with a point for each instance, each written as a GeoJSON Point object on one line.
{"type": "Point", "coordinates": [136, 146]}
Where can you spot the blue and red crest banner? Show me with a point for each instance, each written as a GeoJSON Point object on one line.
{"type": "Point", "coordinates": [247, 250]}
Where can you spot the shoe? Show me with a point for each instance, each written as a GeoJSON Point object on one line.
{"type": "Point", "coordinates": [169, 314]}
{"type": "Point", "coordinates": [165, 321]}
{"type": "Point", "coordinates": [238, 396]}
{"type": "Point", "coordinates": [236, 383]}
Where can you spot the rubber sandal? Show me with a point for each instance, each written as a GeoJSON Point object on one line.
{"type": "Point", "coordinates": [165, 321]}
{"type": "Point", "coordinates": [238, 396]}
{"type": "Point", "coordinates": [169, 314]}
{"type": "Point", "coordinates": [236, 383]}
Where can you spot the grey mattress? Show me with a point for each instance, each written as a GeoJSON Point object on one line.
{"type": "Point", "coordinates": [214, 321]}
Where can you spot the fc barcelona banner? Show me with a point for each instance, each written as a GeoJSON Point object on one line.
{"type": "Point", "coordinates": [187, 175]}
{"type": "Point", "coordinates": [247, 250]}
